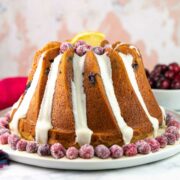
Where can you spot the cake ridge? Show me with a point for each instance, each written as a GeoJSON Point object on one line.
{"type": "Point", "coordinates": [106, 75]}
{"type": "Point", "coordinates": [23, 107]}
{"type": "Point", "coordinates": [83, 133]}
{"type": "Point", "coordinates": [43, 124]}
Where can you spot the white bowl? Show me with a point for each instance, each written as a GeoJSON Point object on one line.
{"type": "Point", "coordinates": [169, 99]}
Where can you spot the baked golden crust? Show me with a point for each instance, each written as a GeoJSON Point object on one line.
{"type": "Point", "coordinates": [100, 118]}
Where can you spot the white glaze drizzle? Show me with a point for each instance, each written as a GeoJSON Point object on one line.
{"type": "Point", "coordinates": [164, 116]}
{"type": "Point", "coordinates": [15, 105]}
{"type": "Point", "coordinates": [43, 124]}
{"type": "Point", "coordinates": [83, 133]}
{"type": "Point", "coordinates": [128, 60]}
{"type": "Point", "coordinates": [106, 75]}
{"type": "Point", "coordinates": [24, 106]}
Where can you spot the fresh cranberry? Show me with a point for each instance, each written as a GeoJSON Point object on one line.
{"type": "Point", "coordinates": [147, 73]}
{"type": "Point", "coordinates": [174, 67]}
{"type": "Point", "coordinates": [175, 84]}
{"type": "Point", "coordinates": [165, 84]}
{"type": "Point", "coordinates": [177, 77]}
{"type": "Point", "coordinates": [169, 74]}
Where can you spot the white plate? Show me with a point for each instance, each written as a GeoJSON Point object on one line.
{"type": "Point", "coordinates": [92, 164]}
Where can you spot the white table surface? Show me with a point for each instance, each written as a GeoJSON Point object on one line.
{"type": "Point", "coordinates": [168, 168]}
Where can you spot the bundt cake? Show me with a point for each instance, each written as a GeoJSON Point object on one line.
{"type": "Point", "coordinates": [78, 94]}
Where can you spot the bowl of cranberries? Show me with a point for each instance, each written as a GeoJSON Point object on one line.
{"type": "Point", "coordinates": [165, 82]}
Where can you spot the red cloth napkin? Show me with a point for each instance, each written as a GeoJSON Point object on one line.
{"type": "Point", "coordinates": [10, 90]}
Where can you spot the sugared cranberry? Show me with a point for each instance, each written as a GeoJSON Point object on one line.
{"type": "Point", "coordinates": [79, 43]}
{"type": "Point", "coordinates": [154, 144]}
{"type": "Point", "coordinates": [169, 117]}
{"type": "Point", "coordinates": [116, 151]}
{"type": "Point", "coordinates": [82, 49]}
{"type": "Point", "coordinates": [86, 151]}
{"type": "Point", "coordinates": [43, 150]}
{"type": "Point", "coordinates": [31, 147]}
{"type": "Point", "coordinates": [102, 151]}
{"type": "Point", "coordinates": [130, 150]}
{"type": "Point", "coordinates": [72, 153]}
{"type": "Point", "coordinates": [175, 84]}
{"type": "Point", "coordinates": [4, 122]}
{"type": "Point", "coordinates": [4, 130]}
{"type": "Point", "coordinates": [143, 147]}
{"type": "Point", "coordinates": [4, 138]}
{"type": "Point", "coordinates": [58, 150]}
{"type": "Point", "coordinates": [8, 116]}
{"type": "Point", "coordinates": [171, 138]}
{"type": "Point", "coordinates": [65, 46]}
{"type": "Point", "coordinates": [13, 140]}
{"type": "Point", "coordinates": [173, 130]}
{"type": "Point", "coordinates": [173, 123]}
{"type": "Point", "coordinates": [162, 141]}
{"type": "Point", "coordinates": [161, 68]}
{"type": "Point", "coordinates": [21, 145]}
{"type": "Point", "coordinates": [174, 67]}
{"type": "Point", "coordinates": [98, 50]}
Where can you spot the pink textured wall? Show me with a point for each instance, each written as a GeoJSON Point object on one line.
{"type": "Point", "coordinates": [25, 25]}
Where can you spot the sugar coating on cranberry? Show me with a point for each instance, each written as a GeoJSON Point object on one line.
{"type": "Point", "coordinates": [79, 43]}
{"type": "Point", "coordinates": [31, 147]}
{"type": "Point", "coordinates": [8, 116]}
{"type": "Point", "coordinates": [13, 140]}
{"type": "Point", "coordinates": [99, 50]}
{"type": "Point", "coordinates": [171, 138]}
{"type": "Point", "coordinates": [4, 130]}
{"type": "Point", "coordinates": [82, 49]}
{"type": "Point", "coordinates": [143, 147]}
{"type": "Point", "coordinates": [116, 151]}
{"type": "Point", "coordinates": [86, 151]}
{"type": "Point", "coordinates": [174, 123]}
{"type": "Point", "coordinates": [169, 117]}
{"type": "Point", "coordinates": [162, 141]}
{"type": "Point", "coordinates": [4, 122]}
{"type": "Point", "coordinates": [130, 150]}
{"type": "Point", "coordinates": [102, 151]}
{"type": "Point", "coordinates": [72, 153]}
{"type": "Point", "coordinates": [57, 150]}
{"type": "Point", "coordinates": [43, 150]}
{"type": "Point", "coordinates": [4, 138]}
{"type": "Point", "coordinates": [154, 144]}
{"type": "Point", "coordinates": [173, 130]}
{"type": "Point", "coordinates": [21, 145]}
{"type": "Point", "coordinates": [65, 46]}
